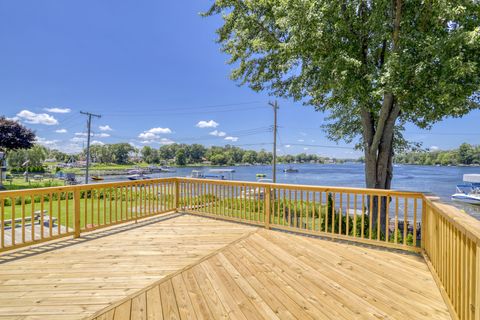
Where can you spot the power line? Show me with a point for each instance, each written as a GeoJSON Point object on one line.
{"type": "Point", "coordinates": [183, 112]}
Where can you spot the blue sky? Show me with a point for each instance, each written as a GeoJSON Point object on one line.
{"type": "Point", "coordinates": [153, 71]}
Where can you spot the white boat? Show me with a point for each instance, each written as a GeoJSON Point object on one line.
{"type": "Point", "coordinates": [219, 174]}
{"type": "Point", "coordinates": [197, 174]}
{"type": "Point", "coordinates": [134, 177]}
{"type": "Point", "coordinates": [290, 170]}
{"type": "Point", "coordinates": [470, 191]}
{"type": "Point", "coordinates": [255, 193]}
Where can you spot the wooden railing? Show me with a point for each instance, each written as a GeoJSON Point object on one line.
{"type": "Point", "coordinates": [380, 217]}
{"type": "Point", "coordinates": [448, 238]}
{"type": "Point", "coordinates": [452, 251]}
{"type": "Point", "coordinates": [36, 215]}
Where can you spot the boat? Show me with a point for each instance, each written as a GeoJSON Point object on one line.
{"type": "Point", "coordinates": [135, 171]}
{"type": "Point", "coordinates": [260, 175]}
{"type": "Point", "coordinates": [97, 178]}
{"type": "Point", "coordinates": [219, 174]}
{"type": "Point", "coordinates": [135, 177]}
{"type": "Point", "coordinates": [290, 170]}
{"type": "Point", "coordinates": [255, 193]}
{"type": "Point", "coordinates": [468, 192]}
{"type": "Point", "coordinates": [167, 169]}
{"type": "Point", "coordinates": [197, 174]}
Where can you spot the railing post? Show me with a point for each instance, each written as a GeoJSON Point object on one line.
{"type": "Point", "coordinates": [423, 231]}
{"type": "Point", "coordinates": [268, 206]}
{"type": "Point", "coordinates": [177, 195]}
{"type": "Point", "coordinates": [76, 212]}
{"type": "Point", "coordinates": [477, 283]}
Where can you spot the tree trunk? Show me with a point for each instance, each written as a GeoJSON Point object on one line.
{"type": "Point", "coordinates": [378, 160]}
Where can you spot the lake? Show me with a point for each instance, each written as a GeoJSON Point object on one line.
{"type": "Point", "coordinates": [440, 181]}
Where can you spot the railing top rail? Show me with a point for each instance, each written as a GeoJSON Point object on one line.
{"type": "Point", "coordinates": [462, 221]}
{"type": "Point", "coordinates": [47, 190]}
{"type": "Point", "coordinates": [380, 192]}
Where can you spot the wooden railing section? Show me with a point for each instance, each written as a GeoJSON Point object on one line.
{"type": "Point", "coordinates": [448, 238]}
{"type": "Point", "coordinates": [36, 215]}
{"type": "Point", "coordinates": [344, 213]}
{"type": "Point", "coordinates": [452, 251]}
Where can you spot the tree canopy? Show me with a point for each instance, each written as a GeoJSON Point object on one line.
{"type": "Point", "coordinates": [14, 135]}
{"type": "Point", "coordinates": [372, 66]}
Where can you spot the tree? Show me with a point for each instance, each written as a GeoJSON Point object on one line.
{"type": "Point", "coordinates": [372, 66]}
{"type": "Point", "coordinates": [180, 157]}
{"type": "Point", "coordinates": [120, 152]}
{"type": "Point", "coordinates": [249, 157]}
{"type": "Point", "coordinates": [150, 155]}
{"type": "Point", "coordinates": [466, 153]}
{"type": "Point", "coordinates": [13, 136]}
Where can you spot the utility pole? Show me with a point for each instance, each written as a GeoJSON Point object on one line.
{"type": "Point", "coordinates": [89, 126]}
{"type": "Point", "coordinates": [275, 107]}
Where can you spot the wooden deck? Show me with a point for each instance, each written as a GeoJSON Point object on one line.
{"type": "Point", "coordinates": [189, 267]}
{"type": "Point", "coordinates": [75, 278]}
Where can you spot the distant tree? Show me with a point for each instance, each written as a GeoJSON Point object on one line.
{"type": "Point", "coordinates": [120, 152]}
{"type": "Point", "coordinates": [180, 157]}
{"type": "Point", "coordinates": [466, 153]}
{"type": "Point", "coordinates": [372, 66]}
{"type": "Point", "coordinates": [150, 155]}
{"type": "Point", "coordinates": [219, 159]}
{"type": "Point", "coordinates": [249, 157]}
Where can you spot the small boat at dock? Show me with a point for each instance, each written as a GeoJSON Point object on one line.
{"type": "Point", "coordinates": [470, 191]}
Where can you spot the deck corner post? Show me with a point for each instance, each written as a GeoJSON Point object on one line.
{"type": "Point", "coordinates": [177, 195]}
{"type": "Point", "coordinates": [477, 283]}
{"type": "Point", "coordinates": [268, 206]}
{"type": "Point", "coordinates": [76, 212]}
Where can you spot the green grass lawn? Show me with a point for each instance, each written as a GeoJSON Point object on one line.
{"type": "Point", "coordinates": [94, 211]}
{"type": "Point", "coordinates": [20, 183]}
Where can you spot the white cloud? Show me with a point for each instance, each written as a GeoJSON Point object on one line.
{"type": "Point", "coordinates": [45, 142]}
{"type": "Point", "coordinates": [147, 135]}
{"type": "Point", "coordinates": [160, 130]}
{"type": "Point", "coordinates": [166, 141]}
{"type": "Point", "coordinates": [301, 140]}
{"type": "Point", "coordinates": [287, 146]}
{"type": "Point", "coordinates": [36, 118]}
{"type": "Point", "coordinates": [101, 135]}
{"type": "Point", "coordinates": [96, 142]}
{"type": "Point", "coordinates": [218, 133]}
{"type": "Point", "coordinates": [58, 110]}
{"type": "Point", "coordinates": [98, 135]}
{"type": "Point", "coordinates": [207, 124]}
{"type": "Point", "coordinates": [105, 128]}
{"type": "Point", "coordinates": [233, 139]}
{"type": "Point", "coordinates": [434, 148]}
{"type": "Point", "coordinates": [61, 131]}
{"type": "Point", "coordinates": [77, 139]}
{"type": "Point", "coordinates": [305, 149]}
{"type": "Point", "coordinates": [161, 141]}
{"type": "Point", "coordinates": [153, 133]}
